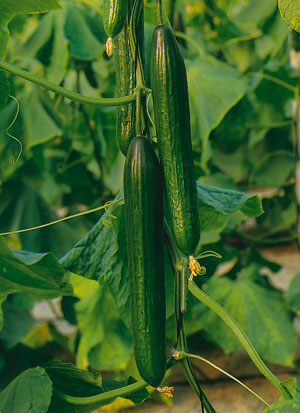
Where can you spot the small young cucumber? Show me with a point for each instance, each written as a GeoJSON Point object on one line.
{"type": "Point", "coordinates": [114, 14]}
{"type": "Point", "coordinates": [172, 120]}
{"type": "Point", "coordinates": [143, 193]}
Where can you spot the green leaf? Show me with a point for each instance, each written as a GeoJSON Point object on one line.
{"type": "Point", "coordinates": [287, 406]}
{"type": "Point", "coordinates": [17, 323]}
{"type": "Point", "coordinates": [39, 275]}
{"type": "Point", "coordinates": [261, 313]}
{"type": "Point", "coordinates": [15, 196]}
{"type": "Point", "coordinates": [9, 8]}
{"type": "Point", "coordinates": [229, 201]}
{"type": "Point", "coordinates": [214, 88]}
{"type": "Point", "coordinates": [293, 293]}
{"type": "Point", "coordinates": [83, 43]}
{"type": "Point", "coordinates": [104, 339]}
{"type": "Point", "coordinates": [39, 127]}
{"type": "Point", "coordinates": [30, 392]}
{"type": "Point", "coordinates": [290, 12]}
{"type": "Point", "coordinates": [4, 90]}
{"type": "Point", "coordinates": [101, 255]}
{"type": "Point", "coordinates": [284, 406]}
{"type": "Point", "coordinates": [12, 7]}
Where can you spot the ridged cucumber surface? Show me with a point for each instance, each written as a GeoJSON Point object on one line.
{"type": "Point", "coordinates": [125, 77]}
{"type": "Point", "coordinates": [114, 15]}
{"type": "Point", "coordinates": [172, 121]}
{"type": "Point", "coordinates": [143, 193]}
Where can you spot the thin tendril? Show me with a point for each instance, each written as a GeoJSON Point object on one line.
{"type": "Point", "coordinates": [148, 113]}
{"type": "Point", "coordinates": [183, 353]}
{"type": "Point", "coordinates": [11, 158]}
{"type": "Point", "coordinates": [90, 211]}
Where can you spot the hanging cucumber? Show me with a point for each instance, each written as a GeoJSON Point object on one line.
{"type": "Point", "coordinates": [114, 15]}
{"type": "Point", "coordinates": [143, 193]}
{"type": "Point", "coordinates": [172, 120]}
{"type": "Point", "coordinates": [126, 77]}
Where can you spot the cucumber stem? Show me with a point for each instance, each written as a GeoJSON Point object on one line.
{"type": "Point", "coordinates": [182, 354]}
{"type": "Point", "coordinates": [239, 333]}
{"type": "Point", "coordinates": [101, 397]}
{"type": "Point", "coordinates": [159, 11]}
{"type": "Point", "coordinates": [69, 94]}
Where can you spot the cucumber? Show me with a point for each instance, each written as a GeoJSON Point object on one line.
{"type": "Point", "coordinates": [143, 193]}
{"type": "Point", "coordinates": [114, 15]}
{"type": "Point", "coordinates": [125, 80]}
{"type": "Point", "coordinates": [173, 129]}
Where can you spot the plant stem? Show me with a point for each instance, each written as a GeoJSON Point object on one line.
{"type": "Point", "coordinates": [77, 97]}
{"type": "Point", "coordinates": [101, 397]}
{"type": "Point", "coordinates": [190, 40]}
{"type": "Point", "coordinates": [239, 333]}
{"type": "Point", "coordinates": [184, 354]}
{"type": "Point", "coordinates": [159, 11]}
{"type": "Point", "coordinates": [275, 80]}
{"type": "Point", "coordinates": [182, 346]}
{"type": "Point", "coordinates": [177, 262]}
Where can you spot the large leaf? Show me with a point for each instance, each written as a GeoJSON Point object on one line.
{"type": "Point", "coordinates": [30, 392]}
{"type": "Point", "coordinates": [293, 293]}
{"type": "Point", "coordinates": [9, 8]}
{"type": "Point", "coordinates": [83, 43]}
{"type": "Point", "coordinates": [214, 88]}
{"type": "Point", "coordinates": [39, 275]}
{"type": "Point", "coordinates": [39, 127]}
{"type": "Point", "coordinates": [229, 201]}
{"type": "Point", "coordinates": [15, 196]}
{"type": "Point", "coordinates": [101, 255]}
{"type": "Point", "coordinates": [261, 313]}
{"type": "Point", "coordinates": [216, 205]}
{"type": "Point", "coordinates": [287, 406]}
{"type": "Point", "coordinates": [104, 340]}
{"type": "Point", "coordinates": [17, 323]}
{"type": "Point", "coordinates": [290, 12]}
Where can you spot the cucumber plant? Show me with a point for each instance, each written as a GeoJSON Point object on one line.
{"type": "Point", "coordinates": [148, 227]}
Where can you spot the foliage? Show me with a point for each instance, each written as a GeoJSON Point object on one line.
{"type": "Point", "coordinates": [243, 92]}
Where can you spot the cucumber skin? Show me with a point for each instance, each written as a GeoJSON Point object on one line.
{"type": "Point", "coordinates": [172, 120]}
{"type": "Point", "coordinates": [114, 14]}
{"type": "Point", "coordinates": [125, 80]}
{"type": "Point", "coordinates": [143, 193]}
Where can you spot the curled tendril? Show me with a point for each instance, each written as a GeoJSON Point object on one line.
{"type": "Point", "coordinates": [194, 265]}
{"type": "Point", "coordinates": [148, 112]}
{"type": "Point", "coordinates": [108, 222]}
{"type": "Point", "coordinates": [11, 158]}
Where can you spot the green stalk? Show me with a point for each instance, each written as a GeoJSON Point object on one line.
{"type": "Point", "coordinates": [182, 346]}
{"type": "Point", "coordinates": [182, 354]}
{"type": "Point", "coordinates": [177, 262]}
{"type": "Point", "coordinates": [159, 11]}
{"type": "Point", "coordinates": [239, 333]}
{"type": "Point", "coordinates": [77, 97]}
{"type": "Point", "coordinates": [102, 397]}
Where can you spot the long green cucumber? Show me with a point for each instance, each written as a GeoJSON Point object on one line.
{"type": "Point", "coordinates": [126, 79]}
{"type": "Point", "coordinates": [114, 15]}
{"type": "Point", "coordinates": [172, 120]}
{"type": "Point", "coordinates": [143, 193]}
